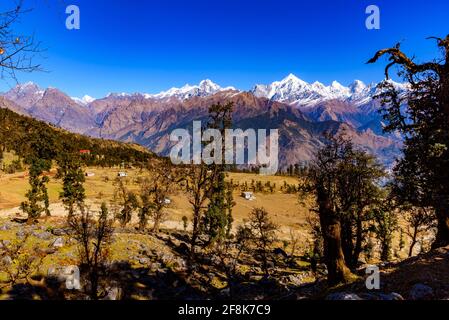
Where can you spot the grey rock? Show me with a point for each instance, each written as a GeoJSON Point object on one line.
{"type": "Point", "coordinates": [343, 296]}
{"type": "Point", "coordinates": [382, 296]}
{"type": "Point", "coordinates": [211, 276]}
{"type": "Point", "coordinates": [58, 243]}
{"type": "Point", "coordinates": [6, 260]}
{"type": "Point", "coordinates": [70, 241]}
{"type": "Point", "coordinates": [5, 227]}
{"type": "Point", "coordinates": [51, 251]}
{"type": "Point", "coordinates": [225, 292]}
{"type": "Point", "coordinates": [143, 249]}
{"type": "Point", "coordinates": [56, 272]}
{"type": "Point", "coordinates": [113, 293]}
{"type": "Point", "coordinates": [294, 279]}
{"type": "Point", "coordinates": [58, 232]}
{"type": "Point", "coordinates": [42, 235]}
{"type": "Point", "coordinates": [155, 266]}
{"type": "Point", "coordinates": [421, 292]}
{"type": "Point", "coordinates": [167, 258]}
{"type": "Point", "coordinates": [392, 296]}
{"type": "Point", "coordinates": [144, 261]}
{"type": "Point", "coordinates": [64, 273]}
{"type": "Point", "coordinates": [180, 264]}
{"type": "Point", "coordinates": [20, 234]}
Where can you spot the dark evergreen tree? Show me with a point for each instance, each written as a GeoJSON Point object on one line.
{"type": "Point", "coordinates": [422, 116]}
{"type": "Point", "coordinates": [218, 217]}
{"type": "Point", "coordinates": [37, 196]}
{"type": "Point", "coordinates": [385, 224]}
{"type": "Point", "coordinates": [321, 180]}
{"type": "Point", "coordinates": [263, 235]}
{"type": "Point", "coordinates": [72, 174]}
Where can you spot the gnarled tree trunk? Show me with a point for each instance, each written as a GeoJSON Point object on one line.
{"type": "Point", "coordinates": [337, 270]}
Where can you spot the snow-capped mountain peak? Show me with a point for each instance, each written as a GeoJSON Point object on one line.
{"type": "Point", "coordinates": [357, 86]}
{"type": "Point", "coordinates": [204, 88]}
{"type": "Point", "coordinates": [291, 78]}
{"type": "Point", "coordinates": [28, 85]}
{"type": "Point", "coordinates": [281, 90]}
{"type": "Point", "coordinates": [338, 90]}
{"type": "Point", "coordinates": [337, 86]}
{"type": "Point", "coordinates": [208, 86]}
{"type": "Point", "coordinates": [84, 100]}
{"type": "Point", "coordinates": [318, 85]}
{"type": "Point", "coordinates": [88, 99]}
{"type": "Point", "coordinates": [291, 89]}
{"type": "Point", "coordinates": [25, 94]}
{"type": "Point", "coordinates": [295, 91]}
{"type": "Point", "coordinates": [27, 88]}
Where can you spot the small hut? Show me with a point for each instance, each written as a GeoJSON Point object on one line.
{"type": "Point", "coordinates": [248, 195]}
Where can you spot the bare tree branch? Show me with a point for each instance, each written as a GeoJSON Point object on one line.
{"type": "Point", "coordinates": [397, 57]}
{"type": "Point", "coordinates": [17, 52]}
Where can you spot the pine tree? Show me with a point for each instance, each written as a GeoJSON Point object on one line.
{"type": "Point", "coordinates": [37, 196]}
{"type": "Point", "coordinates": [73, 193]}
{"type": "Point", "coordinates": [218, 217]}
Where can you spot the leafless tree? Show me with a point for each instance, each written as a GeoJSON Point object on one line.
{"type": "Point", "coordinates": [419, 221]}
{"type": "Point", "coordinates": [263, 235]}
{"type": "Point", "coordinates": [155, 192]}
{"type": "Point", "coordinates": [229, 253]}
{"type": "Point", "coordinates": [17, 52]}
{"type": "Point", "coordinates": [94, 237]}
{"type": "Point", "coordinates": [294, 244]}
{"type": "Point", "coordinates": [19, 263]}
{"type": "Point", "coordinates": [124, 202]}
{"type": "Point", "coordinates": [197, 183]}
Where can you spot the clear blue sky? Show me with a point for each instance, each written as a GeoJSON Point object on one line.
{"type": "Point", "coordinates": [152, 45]}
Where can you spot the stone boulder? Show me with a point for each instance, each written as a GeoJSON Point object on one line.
{"type": "Point", "coordinates": [58, 243]}
{"type": "Point", "coordinates": [421, 292]}
{"type": "Point", "coordinates": [343, 296]}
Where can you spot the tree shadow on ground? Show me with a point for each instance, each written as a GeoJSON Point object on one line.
{"type": "Point", "coordinates": [430, 269]}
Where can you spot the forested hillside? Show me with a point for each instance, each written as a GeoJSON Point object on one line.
{"type": "Point", "coordinates": [32, 138]}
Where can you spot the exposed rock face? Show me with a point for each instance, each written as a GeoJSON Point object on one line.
{"type": "Point", "coordinates": [50, 105]}
{"type": "Point", "coordinates": [57, 108]}
{"type": "Point", "coordinates": [149, 119]}
{"type": "Point", "coordinates": [25, 95]}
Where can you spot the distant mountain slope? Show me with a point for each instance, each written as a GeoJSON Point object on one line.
{"type": "Point", "coordinates": [302, 112]}
{"type": "Point", "coordinates": [52, 106]}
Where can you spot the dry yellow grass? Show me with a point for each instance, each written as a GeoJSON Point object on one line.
{"type": "Point", "coordinates": [285, 209]}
